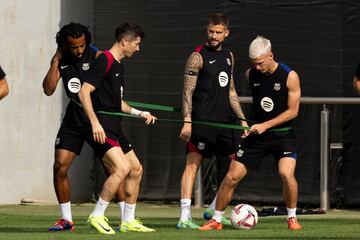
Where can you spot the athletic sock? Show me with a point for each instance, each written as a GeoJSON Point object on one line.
{"type": "Point", "coordinates": [121, 207]}
{"type": "Point", "coordinates": [185, 209]}
{"type": "Point", "coordinates": [129, 212]}
{"type": "Point", "coordinates": [213, 203]}
{"type": "Point", "coordinates": [100, 208]}
{"type": "Point", "coordinates": [291, 212]}
{"type": "Point", "coordinates": [65, 209]}
{"type": "Point", "coordinates": [218, 216]}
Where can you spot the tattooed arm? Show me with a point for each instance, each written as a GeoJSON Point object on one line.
{"type": "Point", "coordinates": [235, 101]}
{"type": "Point", "coordinates": [192, 67]}
{"type": "Point", "coordinates": [234, 98]}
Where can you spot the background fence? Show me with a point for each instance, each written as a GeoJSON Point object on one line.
{"type": "Point", "coordinates": [319, 39]}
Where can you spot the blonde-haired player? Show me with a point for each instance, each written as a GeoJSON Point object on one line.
{"type": "Point", "coordinates": [276, 98]}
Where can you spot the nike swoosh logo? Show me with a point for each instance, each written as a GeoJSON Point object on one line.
{"type": "Point", "coordinates": [257, 84]}
{"type": "Point", "coordinates": [106, 229]}
{"type": "Point", "coordinates": [211, 62]}
{"type": "Point", "coordinates": [287, 152]}
{"type": "Point", "coordinates": [117, 74]}
{"type": "Point", "coordinates": [62, 67]}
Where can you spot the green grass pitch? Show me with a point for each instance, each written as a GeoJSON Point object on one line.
{"type": "Point", "coordinates": [31, 222]}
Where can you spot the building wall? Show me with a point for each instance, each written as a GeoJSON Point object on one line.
{"type": "Point", "coordinates": [29, 120]}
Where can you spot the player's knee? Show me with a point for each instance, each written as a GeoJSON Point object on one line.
{"type": "Point", "coordinates": [125, 169]}
{"type": "Point", "coordinates": [137, 171]}
{"type": "Point", "coordinates": [60, 169]}
{"type": "Point", "coordinates": [286, 175]}
{"type": "Point", "coordinates": [120, 171]}
{"type": "Point", "coordinates": [231, 180]}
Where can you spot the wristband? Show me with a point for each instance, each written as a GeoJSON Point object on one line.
{"type": "Point", "coordinates": [135, 112]}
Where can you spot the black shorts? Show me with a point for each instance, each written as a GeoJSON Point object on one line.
{"type": "Point", "coordinates": [210, 140]}
{"type": "Point", "coordinates": [72, 138]}
{"type": "Point", "coordinates": [112, 140]}
{"type": "Point", "coordinates": [115, 137]}
{"type": "Point", "coordinates": [255, 147]}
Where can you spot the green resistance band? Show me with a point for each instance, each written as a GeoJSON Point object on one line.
{"type": "Point", "coordinates": [175, 109]}
{"type": "Point", "coordinates": [211, 124]}
{"type": "Point", "coordinates": [154, 106]}
{"type": "Point", "coordinates": [163, 108]}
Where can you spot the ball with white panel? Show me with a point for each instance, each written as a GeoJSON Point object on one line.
{"type": "Point", "coordinates": [244, 216]}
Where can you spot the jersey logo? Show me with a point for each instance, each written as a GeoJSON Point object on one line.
{"type": "Point", "coordinates": [228, 61]}
{"type": "Point", "coordinates": [201, 146]}
{"type": "Point", "coordinates": [117, 74]}
{"type": "Point", "coordinates": [223, 79]}
{"type": "Point", "coordinates": [240, 153]}
{"type": "Point", "coordinates": [267, 104]}
{"type": "Point", "coordinates": [121, 92]}
{"type": "Point", "coordinates": [257, 84]}
{"type": "Point", "coordinates": [212, 61]}
{"type": "Point", "coordinates": [277, 86]}
{"type": "Point", "coordinates": [74, 85]}
{"type": "Point", "coordinates": [85, 66]}
{"type": "Point", "coordinates": [62, 67]}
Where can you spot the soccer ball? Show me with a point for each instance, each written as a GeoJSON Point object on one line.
{"type": "Point", "coordinates": [244, 216]}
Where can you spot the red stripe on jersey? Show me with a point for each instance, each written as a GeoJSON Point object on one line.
{"type": "Point", "coordinates": [198, 49]}
{"type": "Point", "coordinates": [110, 59]}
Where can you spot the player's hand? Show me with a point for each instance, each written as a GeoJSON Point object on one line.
{"type": "Point", "coordinates": [148, 117]}
{"type": "Point", "coordinates": [57, 56]}
{"type": "Point", "coordinates": [98, 133]}
{"type": "Point", "coordinates": [246, 132]}
{"type": "Point", "coordinates": [258, 128]}
{"type": "Point", "coordinates": [185, 133]}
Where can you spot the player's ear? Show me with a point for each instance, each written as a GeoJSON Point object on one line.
{"type": "Point", "coordinates": [123, 41]}
{"type": "Point", "coordinates": [271, 55]}
{"type": "Point", "coordinates": [227, 32]}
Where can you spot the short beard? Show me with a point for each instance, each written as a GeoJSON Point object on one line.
{"type": "Point", "coordinates": [214, 47]}
{"type": "Point", "coordinates": [70, 57]}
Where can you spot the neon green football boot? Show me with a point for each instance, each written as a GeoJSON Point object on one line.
{"type": "Point", "coordinates": [134, 226]}
{"type": "Point", "coordinates": [187, 224]}
{"type": "Point", "coordinates": [101, 224]}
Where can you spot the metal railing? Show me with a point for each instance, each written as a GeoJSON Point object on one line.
{"type": "Point", "coordinates": [324, 146]}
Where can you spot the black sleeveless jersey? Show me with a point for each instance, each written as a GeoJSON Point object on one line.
{"type": "Point", "coordinates": [270, 93]}
{"type": "Point", "coordinates": [107, 76]}
{"type": "Point", "coordinates": [210, 101]}
{"type": "Point", "coordinates": [72, 71]}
